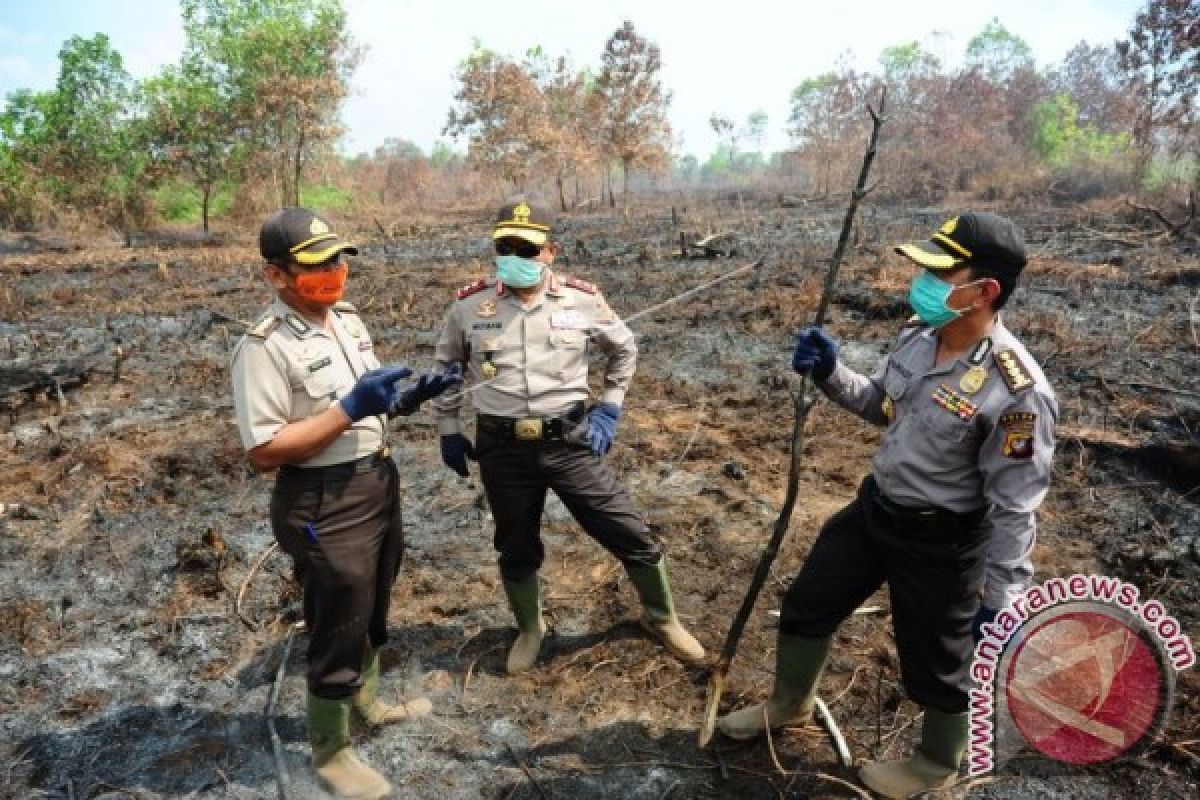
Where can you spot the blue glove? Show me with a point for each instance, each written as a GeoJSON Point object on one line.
{"type": "Point", "coordinates": [984, 616]}
{"type": "Point", "coordinates": [456, 449]}
{"type": "Point", "coordinates": [375, 393]}
{"type": "Point", "coordinates": [602, 427]}
{"type": "Point", "coordinates": [427, 387]}
{"type": "Point", "coordinates": [816, 354]}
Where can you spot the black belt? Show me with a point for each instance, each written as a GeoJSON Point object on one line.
{"type": "Point", "coordinates": [530, 429]}
{"type": "Point", "coordinates": [368, 463]}
{"type": "Point", "coordinates": [935, 514]}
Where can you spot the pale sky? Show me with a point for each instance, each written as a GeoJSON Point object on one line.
{"type": "Point", "coordinates": [733, 58]}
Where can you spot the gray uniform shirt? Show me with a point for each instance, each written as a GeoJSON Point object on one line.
{"type": "Point", "coordinates": [971, 433]}
{"type": "Point", "coordinates": [286, 369]}
{"type": "Point", "coordinates": [532, 359]}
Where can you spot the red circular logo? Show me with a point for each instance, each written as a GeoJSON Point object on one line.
{"type": "Point", "coordinates": [1084, 687]}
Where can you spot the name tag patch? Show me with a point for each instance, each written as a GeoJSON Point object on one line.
{"type": "Point", "coordinates": [568, 321]}
{"type": "Point", "coordinates": [320, 364]}
{"type": "Point", "coordinates": [487, 326]}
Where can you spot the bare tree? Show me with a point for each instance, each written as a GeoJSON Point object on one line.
{"type": "Point", "coordinates": [634, 125]}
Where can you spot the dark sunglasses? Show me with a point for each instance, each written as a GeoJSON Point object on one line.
{"type": "Point", "coordinates": [517, 247]}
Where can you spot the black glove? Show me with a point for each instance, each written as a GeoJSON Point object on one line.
{"type": "Point", "coordinates": [427, 387]}
{"type": "Point", "coordinates": [456, 449]}
{"type": "Point", "coordinates": [816, 354]}
{"type": "Point", "coordinates": [375, 393]}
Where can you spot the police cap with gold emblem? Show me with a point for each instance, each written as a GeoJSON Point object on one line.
{"type": "Point", "coordinates": [972, 239]}
{"type": "Point", "coordinates": [300, 235]}
{"type": "Point", "coordinates": [523, 221]}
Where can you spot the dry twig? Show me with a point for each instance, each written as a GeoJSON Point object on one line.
{"type": "Point", "coordinates": [237, 605]}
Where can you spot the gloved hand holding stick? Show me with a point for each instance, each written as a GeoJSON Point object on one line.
{"type": "Point", "coordinates": [804, 403]}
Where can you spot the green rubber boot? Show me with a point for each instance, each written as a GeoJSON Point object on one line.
{"type": "Point", "coordinates": [799, 662]}
{"type": "Point", "coordinates": [933, 766]}
{"type": "Point", "coordinates": [374, 711]}
{"type": "Point", "coordinates": [339, 769]}
{"type": "Point", "coordinates": [658, 612]}
{"type": "Point", "coordinates": [526, 604]}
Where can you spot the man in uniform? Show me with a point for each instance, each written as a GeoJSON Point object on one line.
{"type": "Point", "coordinates": [947, 515]}
{"type": "Point", "coordinates": [312, 401]}
{"type": "Point", "coordinates": [525, 337]}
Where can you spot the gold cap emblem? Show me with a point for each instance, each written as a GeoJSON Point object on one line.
{"type": "Point", "coordinates": [317, 227]}
{"type": "Point", "coordinates": [521, 213]}
{"type": "Point", "coordinates": [948, 226]}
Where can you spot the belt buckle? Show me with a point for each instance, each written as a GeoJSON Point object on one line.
{"type": "Point", "coordinates": [527, 429]}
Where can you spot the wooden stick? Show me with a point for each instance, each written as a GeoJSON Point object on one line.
{"type": "Point", "coordinates": [803, 404]}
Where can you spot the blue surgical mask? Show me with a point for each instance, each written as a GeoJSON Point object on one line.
{"type": "Point", "coordinates": [517, 272]}
{"type": "Point", "coordinates": [927, 295]}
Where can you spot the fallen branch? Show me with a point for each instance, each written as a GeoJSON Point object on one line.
{"type": "Point", "coordinates": [528, 775]}
{"type": "Point", "coordinates": [803, 404]}
{"type": "Point", "coordinates": [835, 733]}
{"type": "Point", "coordinates": [237, 604]}
{"type": "Point", "coordinates": [1177, 230]}
{"type": "Point", "coordinates": [282, 779]}
{"type": "Point", "coordinates": [861, 792]}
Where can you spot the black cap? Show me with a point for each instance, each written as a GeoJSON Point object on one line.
{"type": "Point", "coordinates": [972, 239]}
{"type": "Point", "coordinates": [297, 234]}
{"type": "Point", "coordinates": [523, 221]}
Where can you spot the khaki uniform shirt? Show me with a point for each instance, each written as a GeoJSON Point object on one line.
{"type": "Point", "coordinates": [531, 359]}
{"type": "Point", "coordinates": [971, 433]}
{"type": "Point", "coordinates": [286, 370]}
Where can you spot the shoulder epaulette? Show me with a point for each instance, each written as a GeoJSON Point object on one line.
{"type": "Point", "coordinates": [264, 327]}
{"type": "Point", "coordinates": [474, 288]}
{"type": "Point", "coordinates": [913, 322]}
{"type": "Point", "coordinates": [1015, 373]}
{"type": "Point", "coordinates": [583, 286]}
{"type": "Point", "coordinates": [342, 305]}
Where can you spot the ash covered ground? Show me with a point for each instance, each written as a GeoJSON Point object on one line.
{"type": "Point", "coordinates": [131, 521]}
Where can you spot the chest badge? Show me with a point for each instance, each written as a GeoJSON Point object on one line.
{"type": "Point", "coordinates": [488, 369]}
{"type": "Point", "coordinates": [486, 309]}
{"type": "Point", "coordinates": [973, 379]}
{"type": "Point", "coordinates": [889, 408]}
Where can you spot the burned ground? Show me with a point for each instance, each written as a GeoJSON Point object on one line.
{"type": "Point", "coordinates": [131, 522]}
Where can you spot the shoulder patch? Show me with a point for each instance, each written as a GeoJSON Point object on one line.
{"type": "Point", "coordinates": [1015, 373]}
{"type": "Point", "coordinates": [474, 288]}
{"type": "Point", "coordinates": [264, 327]}
{"type": "Point", "coordinates": [342, 305]}
{"type": "Point", "coordinates": [583, 286]}
{"type": "Point", "coordinates": [913, 322]}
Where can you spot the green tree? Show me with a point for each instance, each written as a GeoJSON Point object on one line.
{"type": "Point", "coordinates": [25, 141]}
{"type": "Point", "coordinates": [755, 129]}
{"type": "Point", "coordinates": [999, 52]}
{"type": "Point", "coordinates": [86, 137]}
{"type": "Point", "coordinates": [284, 68]}
{"type": "Point", "coordinates": [196, 134]}
{"type": "Point", "coordinates": [1060, 139]}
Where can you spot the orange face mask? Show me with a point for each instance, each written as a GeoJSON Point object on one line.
{"type": "Point", "coordinates": [324, 287]}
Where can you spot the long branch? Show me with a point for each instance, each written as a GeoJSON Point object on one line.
{"type": "Point", "coordinates": [804, 403]}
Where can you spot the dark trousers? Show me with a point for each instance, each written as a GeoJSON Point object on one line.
{"type": "Point", "coordinates": [516, 475]}
{"type": "Point", "coordinates": [933, 563]}
{"type": "Point", "coordinates": [341, 525]}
